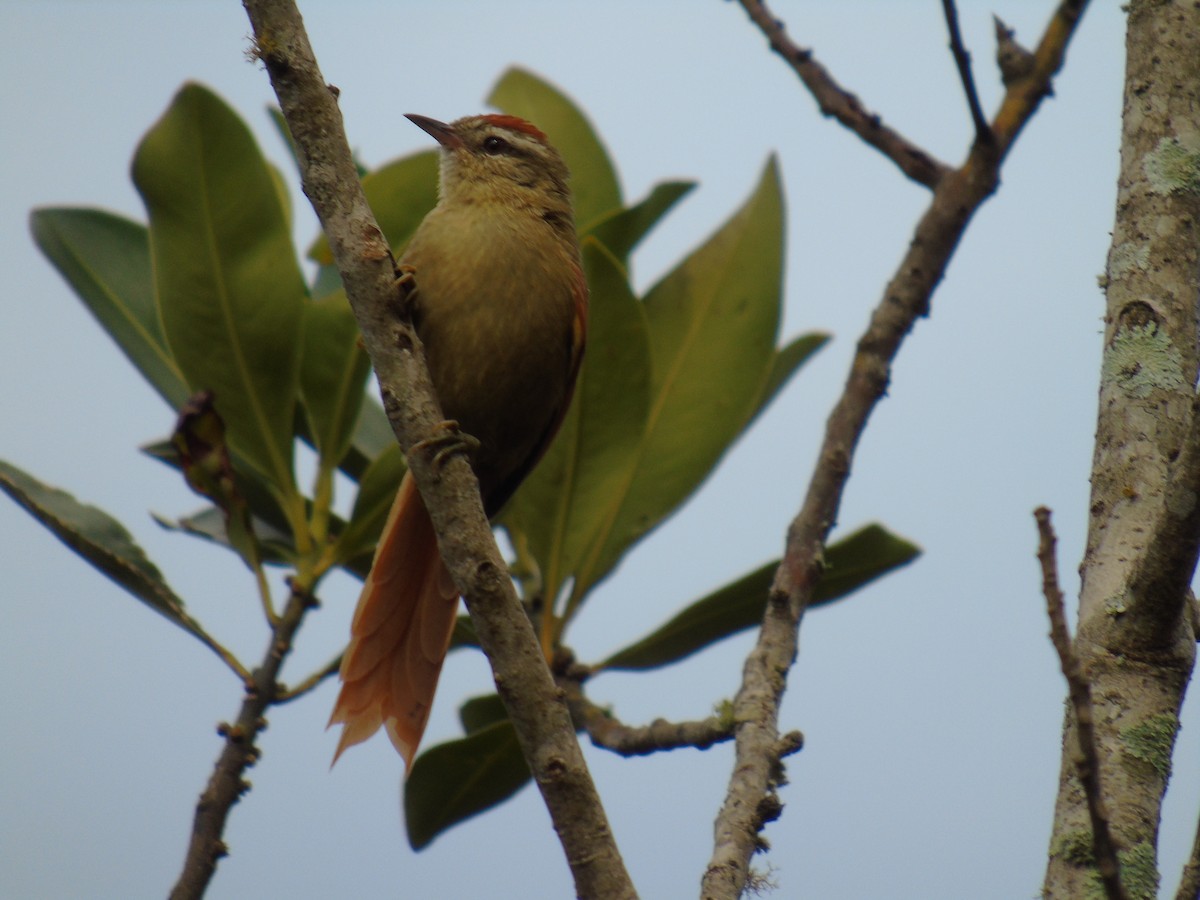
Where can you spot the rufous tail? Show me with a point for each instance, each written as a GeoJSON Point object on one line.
{"type": "Point", "coordinates": [400, 633]}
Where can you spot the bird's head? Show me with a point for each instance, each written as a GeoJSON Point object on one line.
{"type": "Point", "coordinates": [497, 159]}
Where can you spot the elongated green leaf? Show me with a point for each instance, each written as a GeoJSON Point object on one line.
{"type": "Point", "coordinates": [788, 360]}
{"type": "Point", "coordinates": [576, 486]}
{"type": "Point", "coordinates": [228, 284]}
{"type": "Point", "coordinates": [98, 538]}
{"type": "Point", "coordinates": [480, 712]}
{"type": "Point", "coordinates": [372, 435]}
{"type": "Point", "coordinates": [595, 190]}
{"type": "Point", "coordinates": [712, 324]}
{"type": "Point", "coordinates": [463, 634]}
{"type": "Point", "coordinates": [622, 230]}
{"type": "Point", "coordinates": [376, 491]}
{"type": "Point", "coordinates": [208, 524]}
{"type": "Point", "coordinates": [459, 779]}
{"type": "Point", "coordinates": [106, 260]}
{"type": "Point", "coordinates": [851, 563]}
{"type": "Point", "coordinates": [333, 374]}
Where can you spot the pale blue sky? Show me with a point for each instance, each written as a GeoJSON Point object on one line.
{"type": "Point", "coordinates": [931, 702]}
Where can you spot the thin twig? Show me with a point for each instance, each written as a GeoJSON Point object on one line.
{"type": "Point", "coordinates": [834, 100]}
{"type": "Point", "coordinates": [450, 491]}
{"type": "Point", "coordinates": [957, 196]}
{"type": "Point", "coordinates": [1087, 763]}
{"type": "Point", "coordinates": [608, 732]}
{"type": "Point", "coordinates": [287, 695]}
{"type": "Point", "coordinates": [962, 59]}
{"type": "Point", "coordinates": [240, 752]}
{"type": "Point", "coordinates": [218, 648]}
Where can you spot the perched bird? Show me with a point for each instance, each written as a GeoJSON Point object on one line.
{"type": "Point", "coordinates": [501, 308]}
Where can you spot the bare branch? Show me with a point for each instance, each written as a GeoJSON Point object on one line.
{"type": "Point", "coordinates": [962, 59]}
{"type": "Point", "coordinates": [608, 732]}
{"type": "Point", "coordinates": [834, 100]}
{"type": "Point", "coordinates": [1087, 763]}
{"type": "Point", "coordinates": [958, 194]}
{"type": "Point", "coordinates": [449, 489]}
{"type": "Point", "coordinates": [313, 681]}
{"type": "Point", "coordinates": [227, 783]}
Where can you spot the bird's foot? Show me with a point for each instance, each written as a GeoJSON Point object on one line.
{"type": "Point", "coordinates": [448, 440]}
{"type": "Point", "coordinates": [406, 290]}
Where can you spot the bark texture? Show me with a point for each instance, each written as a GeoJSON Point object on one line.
{"type": "Point", "coordinates": [1136, 639]}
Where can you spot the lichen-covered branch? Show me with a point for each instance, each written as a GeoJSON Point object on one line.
{"type": "Point", "coordinates": [1137, 630]}
{"type": "Point", "coordinates": [451, 494]}
{"type": "Point", "coordinates": [956, 197]}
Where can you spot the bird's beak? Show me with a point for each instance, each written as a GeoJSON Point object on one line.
{"type": "Point", "coordinates": [441, 132]}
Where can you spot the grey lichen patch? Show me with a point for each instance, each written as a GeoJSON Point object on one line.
{"type": "Point", "coordinates": [1140, 359]}
{"type": "Point", "coordinates": [1172, 168]}
{"type": "Point", "coordinates": [1116, 604]}
{"type": "Point", "coordinates": [1151, 741]}
{"type": "Point", "coordinates": [1127, 258]}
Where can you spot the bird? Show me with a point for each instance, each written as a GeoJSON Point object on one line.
{"type": "Point", "coordinates": [501, 309]}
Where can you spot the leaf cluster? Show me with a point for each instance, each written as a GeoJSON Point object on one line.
{"type": "Point", "coordinates": [208, 300]}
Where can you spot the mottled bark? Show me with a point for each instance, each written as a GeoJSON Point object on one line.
{"type": "Point", "coordinates": [1136, 637]}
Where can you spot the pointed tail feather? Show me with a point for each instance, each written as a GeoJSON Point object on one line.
{"type": "Point", "coordinates": [400, 633]}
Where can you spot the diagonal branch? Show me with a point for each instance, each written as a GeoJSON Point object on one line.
{"type": "Point", "coordinates": [962, 59]}
{"type": "Point", "coordinates": [958, 194]}
{"type": "Point", "coordinates": [834, 100]}
{"type": "Point", "coordinates": [1083, 754]}
{"type": "Point", "coordinates": [451, 494]}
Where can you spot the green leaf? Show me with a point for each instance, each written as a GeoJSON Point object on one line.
{"type": "Point", "coordinates": [98, 538]}
{"type": "Point", "coordinates": [459, 779]}
{"type": "Point", "coordinates": [622, 230]}
{"type": "Point", "coordinates": [106, 260]}
{"type": "Point", "coordinates": [372, 435]}
{"type": "Point", "coordinates": [563, 503]}
{"type": "Point", "coordinates": [333, 375]}
{"type": "Point", "coordinates": [851, 563]}
{"type": "Point", "coordinates": [376, 491]}
{"type": "Point", "coordinates": [594, 189]}
{"type": "Point", "coordinates": [788, 360]}
{"type": "Point", "coordinates": [463, 634]}
{"type": "Point", "coordinates": [480, 712]}
{"type": "Point", "coordinates": [229, 287]}
{"type": "Point", "coordinates": [209, 524]}
{"type": "Point", "coordinates": [712, 324]}
{"type": "Point", "coordinates": [285, 133]}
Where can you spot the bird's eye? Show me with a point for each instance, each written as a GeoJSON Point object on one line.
{"type": "Point", "coordinates": [494, 146]}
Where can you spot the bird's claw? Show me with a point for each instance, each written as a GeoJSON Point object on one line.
{"type": "Point", "coordinates": [406, 289]}
{"type": "Point", "coordinates": [448, 440]}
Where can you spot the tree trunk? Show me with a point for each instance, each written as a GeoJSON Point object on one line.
{"type": "Point", "coordinates": [1137, 630]}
